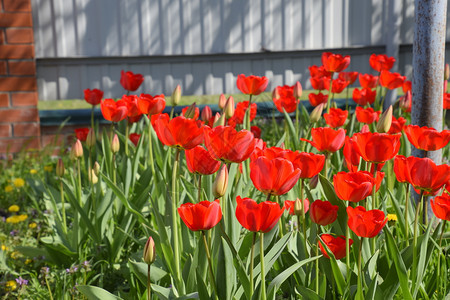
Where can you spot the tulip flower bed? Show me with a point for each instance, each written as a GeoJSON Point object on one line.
{"type": "Point", "coordinates": [230, 206]}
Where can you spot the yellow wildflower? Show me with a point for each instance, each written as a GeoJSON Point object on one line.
{"type": "Point", "coordinates": [48, 168]}
{"type": "Point", "coordinates": [15, 255]}
{"type": "Point", "coordinates": [392, 217]}
{"type": "Point", "coordinates": [16, 219]}
{"type": "Point", "coordinates": [32, 225]}
{"type": "Point", "coordinates": [5, 248]}
{"type": "Point", "coordinates": [13, 208]}
{"type": "Point", "coordinates": [11, 285]}
{"type": "Point", "coordinates": [19, 182]}
{"type": "Point", "coordinates": [33, 171]}
{"type": "Point", "coordinates": [9, 188]}
{"type": "Point", "coordinates": [28, 261]}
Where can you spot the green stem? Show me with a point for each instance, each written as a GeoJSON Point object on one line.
{"type": "Point", "coordinates": [79, 180]}
{"type": "Point", "coordinates": [150, 148]}
{"type": "Point", "coordinates": [263, 275]}
{"type": "Point", "coordinates": [92, 117]}
{"type": "Point", "coordinates": [414, 266]}
{"type": "Point", "coordinates": [360, 288]}
{"type": "Point", "coordinates": [208, 255]}
{"type": "Point", "coordinates": [330, 94]}
{"type": "Point", "coordinates": [199, 196]}
{"type": "Point", "coordinates": [114, 167]}
{"type": "Point", "coordinates": [406, 214]}
{"type": "Point", "coordinates": [127, 133]}
{"type": "Point", "coordinates": [317, 263]}
{"type": "Point", "coordinates": [440, 253]}
{"type": "Point", "coordinates": [252, 253]}
{"type": "Point", "coordinates": [303, 217]}
{"type": "Point", "coordinates": [149, 287]}
{"type": "Point", "coordinates": [48, 287]}
{"type": "Point", "coordinates": [174, 217]}
{"type": "Point", "coordinates": [325, 166]}
{"type": "Point", "coordinates": [347, 245]}
{"type": "Point", "coordinates": [63, 206]}
{"type": "Point", "coordinates": [247, 114]}
{"type": "Point", "coordinates": [297, 121]}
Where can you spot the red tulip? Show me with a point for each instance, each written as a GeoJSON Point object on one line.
{"type": "Point", "coordinates": [446, 104]}
{"type": "Point", "coordinates": [194, 112]}
{"type": "Point", "coordinates": [285, 99]}
{"type": "Point", "coordinates": [201, 216]}
{"type": "Point", "coordinates": [441, 207]}
{"type": "Point", "coordinates": [350, 77]}
{"type": "Point", "coordinates": [336, 245]}
{"type": "Point", "coordinates": [377, 147]}
{"type": "Point", "coordinates": [81, 133]}
{"type": "Point", "coordinates": [367, 115]}
{"type": "Point", "coordinates": [93, 96]}
{"type": "Point", "coordinates": [130, 81]}
{"type": "Point", "coordinates": [206, 114]}
{"type": "Point", "coordinates": [134, 138]}
{"type": "Point", "coordinates": [178, 132]}
{"type": "Point", "coordinates": [239, 113]}
{"type": "Point", "coordinates": [422, 173]}
{"type": "Point", "coordinates": [336, 117]}
{"type": "Point", "coordinates": [407, 85]}
{"type": "Point", "coordinates": [338, 85]}
{"type": "Point", "coordinates": [326, 139]}
{"type": "Point", "coordinates": [273, 176]}
{"type": "Point", "coordinates": [316, 99]}
{"type": "Point", "coordinates": [427, 138]}
{"type": "Point", "coordinates": [257, 217]}
{"type": "Point", "coordinates": [133, 113]}
{"type": "Point", "coordinates": [151, 105]}
{"type": "Point", "coordinates": [365, 223]}
{"type": "Point", "coordinates": [364, 96]}
{"type": "Point", "coordinates": [252, 85]}
{"type": "Point", "coordinates": [353, 186]}
{"type": "Point", "coordinates": [200, 161]}
{"type": "Point", "coordinates": [114, 111]}
{"type": "Point", "coordinates": [335, 62]}
{"type": "Point", "coordinates": [290, 205]}
{"type": "Point", "coordinates": [405, 102]}
{"type": "Point", "coordinates": [274, 152]}
{"type": "Point", "coordinates": [309, 163]}
{"type": "Point", "coordinates": [391, 80]}
{"type": "Point", "coordinates": [319, 82]}
{"type": "Point", "coordinates": [228, 145]}
{"type": "Point", "coordinates": [381, 62]}
{"type": "Point", "coordinates": [315, 71]}
{"type": "Point", "coordinates": [351, 155]}
{"type": "Point", "coordinates": [397, 125]}
{"type": "Point", "coordinates": [368, 81]}
{"type": "Point", "coordinates": [256, 131]}
{"type": "Point", "coordinates": [323, 212]}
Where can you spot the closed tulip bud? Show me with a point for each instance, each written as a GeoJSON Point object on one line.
{"type": "Point", "coordinates": [298, 207]}
{"type": "Point", "coordinates": [77, 149]}
{"type": "Point", "coordinates": [206, 114]}
{"type": "Point", "coordinates": [149, 251]}
{"type": "Point", "coordinates": [92, 176]}
{"type": "Point", "coordinates": [96, 168]}
{"type": "Point", "coordinates": [405, 101]}
{"type": "Point", "coordinates": [221, 182]}
{"type": "Point", "coordinates": [91, 139]}
{"type": "Point", "coordinates": [298, 90]}
{"type": "Point", "coordinates": [176, 95]}
{"type": "Point", "coordinates": [229, 107]}
{"type": "Point", "coordinates": [316, 113]}
{"type": "Point", "coordinates": [115, 145]}
{"type": "Point", "coordinates": [275, 94]}
{"type": "Point", "coordinates": [60, 168]}
{"type": "Point", "coordinates": [314, 181]}
{"type": "Point", "coordinates": [446, 72]}
{"type": "Point", "coordinates": [219, 120]}
{"type": "Point", "coordinates": [190, 112]}
{"type": "Point", "coordinates": [385, 121]}
{"type": "Point", "coordinates": [222, 101]}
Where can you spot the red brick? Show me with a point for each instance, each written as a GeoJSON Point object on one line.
{"type": "Point", "coordinates": [52, 140]}
{"type": "Point", "coordinates": [19, 35]}
{"type": "Point", "coordinates": [24, 99]}
{"type": "Point", "coordinates": [4, 100]}
{"type": "Point", "coordinates": [14, 145]}
{"type": "Point", "coordinates": [16, 20]}
{"type": "Point", "coordinates": [19, 115]}
{"type": "Point", "coordinates": [3, 68]}
{"type": "Point", "coordinates": [17, 5]}
{"type": "Point", "coordinates": [26, 129]}
{"type": "Point", "coordinates": [16, 51]}
{"type": "Point", "coordinates": [22, 67]}
{"type": "Point", "coordinates": [2, 39]}
{"type": "Point", "coordinates": [5, 130]}
{"type": "Point", "coordinates": [10, 84]}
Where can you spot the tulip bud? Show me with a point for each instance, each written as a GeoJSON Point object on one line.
{"type": "Point", "coordinates": [385, 121]}
{"type": "Point", "coordinates": [219, 120]}
{"type": "Point", "coordinates": [446, 72]}
{"type": "Point", "coordinates": [222, 101]}
{"type": "Point", "coordinates": [115, 145]}
{"type": "Point", "coordinates": [221, 182]}
{"type": "Point", "coordinates": [405, 101]}
{"type": "Point", "coordinates": [314, 181]}
{"type": "Point", "coordinates": [275, 94]}
{"type": "Point", "coordinates": [316, 113]}
{"type": "Point", "coordinates": [190, 112]}
{"type": "Point", "coordinates": [77, 149]}
{"type": "Point", "coordinates": [298, 206]}
{"type": "Point", "coordinates": [176, 95]}
{"type": "Point", "coordinates": [96, 168]}
{"type": "Point", "coordinates": [206, 114]}
{"type": "Point", "coordinates": [298, 90]}
{"type": "Point", "coordinates": [60, 168]}
{"type": "Point", "coordinates": [92, 176]}
{"type": "Point", "coordinates": [229, 107]}
{"type": "Point", "coordinates": [91, 139]}
{"type": "Point", "coordinates": [149, 251]}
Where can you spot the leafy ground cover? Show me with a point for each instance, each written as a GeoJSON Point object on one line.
{"type": "Point", "coordinates": [232, 206]}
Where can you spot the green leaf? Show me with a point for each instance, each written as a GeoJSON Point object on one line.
{"type": "Point", "coordinates": [96, 293]}
{"type": "Point", "coordinates": [331, 196]}
{"type": "Point", "coordinates": [291, 129]}
{"type": "Point", "coordinates": [140, 270]}
{"type": "Point", "coordinates": [202, 290]}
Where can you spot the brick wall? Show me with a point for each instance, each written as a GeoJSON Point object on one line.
{"type": "Point", "coordinates": [19, 118]}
